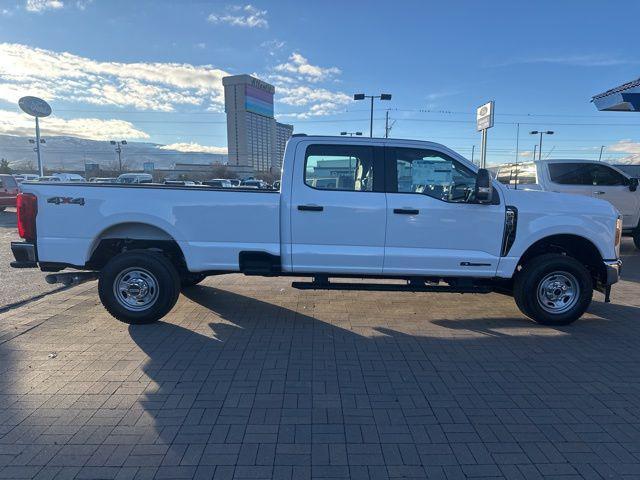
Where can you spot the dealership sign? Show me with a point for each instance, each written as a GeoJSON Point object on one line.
{"type": "Point", "coordinates": [484, 116]}
{"type": "Point", "coordinates": [34, 106]}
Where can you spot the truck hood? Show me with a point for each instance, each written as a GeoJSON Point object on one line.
{"type": "Point", "coordinates": [553, 203]}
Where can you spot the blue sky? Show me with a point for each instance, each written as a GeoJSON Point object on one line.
{"type": "Point", "coordinates": [150, 70]}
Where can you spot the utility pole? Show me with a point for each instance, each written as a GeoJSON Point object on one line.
{"type": "Point", "coordinates": [535, 149]}
{"type": "Point", "coordinates": [601, 149]}
{"type": "Point", "coordinates": [386, 124]}
{"type": "Point", "coordinates": [473, 151]}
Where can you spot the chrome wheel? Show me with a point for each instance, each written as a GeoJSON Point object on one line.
{"type": "Point", "coordinates": [136, 289]}
{"type": "Point", "coordinates": [558, 292]}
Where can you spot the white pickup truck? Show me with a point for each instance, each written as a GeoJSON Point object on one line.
{"type": "Point", "coordinates": [581, 177]}
{"type": "Point", "coordinates": [348, 208]}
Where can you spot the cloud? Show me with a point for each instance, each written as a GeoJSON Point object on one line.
{"type": "Point", "coordinates": [626, 146]}
{"type": "Point", "coordinates": [273, 46]}
{"type": "Point", "coordinates": [526, 153]}
{"type": "Point", "coordinates": [241, 16]}
{"type": "Point", "coordinates": [13, 123]}
{"type": "Point", "coordinates": [194, 147]}
{"type": "Point", "coordinates": [201, 45]}
{"type": "Point", "coordinates": [300, 66]}
{"type": "Point", "coordinates": [145, 86]}
{"type": "Point", "coordinates": [39, 6]}
{"type": "Point", "coordinates": [586, 60]}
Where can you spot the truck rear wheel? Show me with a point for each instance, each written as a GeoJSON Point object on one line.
{"type": "Point", "coordinates": [139, 286]}
{"type": "Point", "coordinates": [553, 289]}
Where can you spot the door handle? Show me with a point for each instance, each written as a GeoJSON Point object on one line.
{"type": "Point", "coordinates": [599, 193]}
{"type": "Point", "coordinates": [406, 211]}
{"type": "Point", "coordinates": [311, 208]}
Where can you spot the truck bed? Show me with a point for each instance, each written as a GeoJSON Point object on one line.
{"type": "Point", "coordinates": [211, 226]}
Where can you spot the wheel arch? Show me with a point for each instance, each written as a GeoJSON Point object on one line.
{"type": "Point", "coordinates": [133, 235]}
{"type": "Point", "coordinates": [576, 246]}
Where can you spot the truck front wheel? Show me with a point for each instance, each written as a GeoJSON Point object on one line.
{"type": "Point", "coordinates": [139, 286]}
{"type": "Point", "coordinates": [553, 289]}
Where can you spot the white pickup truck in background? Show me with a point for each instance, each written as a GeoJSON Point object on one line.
{"type": "Point", "coordinates": [583, 177]}
{"type": "Point", "coordinates": [348, 207]}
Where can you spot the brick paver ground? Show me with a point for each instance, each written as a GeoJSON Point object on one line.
{"type": "Point", "coordinates": [248, 378]}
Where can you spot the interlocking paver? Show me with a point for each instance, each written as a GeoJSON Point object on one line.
{"type": "Point", "coordinates": [248, 378]}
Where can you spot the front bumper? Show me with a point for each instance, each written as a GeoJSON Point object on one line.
{"type": "Point", "coordinates": [25, 254]}
{"type": "Point", "coordinates": [612, 272]}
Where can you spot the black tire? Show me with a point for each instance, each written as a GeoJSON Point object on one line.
{"type": "Point", "coordinates": [560, 273]}
{"type": "Point", "coordinates": [636, 238]}
{"type": "Point", "coordinates": [146, 268]}
{"type": "Point", "coordinates": [191, 279]}
{"type": "Point", "coordinates": [2, 209]}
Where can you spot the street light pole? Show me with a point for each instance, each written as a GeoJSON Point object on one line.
{"type": "Point", "coordinates": [601, 149]}
{"type": "Point", "coordinates": [40, 166]}
{"type": "Point", "coordinates": [119, 151]}
{"type": "Point", "coordinates": [541, 133]}
{"type": "Point", "coordinates": [362, 96]}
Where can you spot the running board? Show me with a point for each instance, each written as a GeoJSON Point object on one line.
{"type": "Point", "coordinates": [390, 287]}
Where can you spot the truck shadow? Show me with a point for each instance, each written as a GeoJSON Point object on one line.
{"type": "Point", "coordinates": [261, 367]}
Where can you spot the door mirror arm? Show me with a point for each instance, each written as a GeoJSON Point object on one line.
{"type": "Point", "coordinates": [633, 184]}
{"type": "Point", "coordinates": [484, 188]}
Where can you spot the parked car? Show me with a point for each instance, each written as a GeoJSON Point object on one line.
{"type": "Point", "coordinates": [218, 183]}
{"type": "Point", "coordinates": [234, 182]}
{"type": "Point", "coordinates": [583, 177]}
{"type": "Point", "coordinates": [8, 191]}
{"type": "Point", "coordinates": [26, 177]}
{"type": "Point", "coordinates": [262, 185]}
{"type": "Point", "coordinates": [134, 178]}
{"type": "Point", "coordinates": [69, 177]}
{"type": "Point", "coordinates": [49, 179]}
{"type": "Point", "coordinates": [180, 183]}
{"type": "Point", "coordinates": [102, 180]}
{"type": "Point", "coordinates": [409, 210]}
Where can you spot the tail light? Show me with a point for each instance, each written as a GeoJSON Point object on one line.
{"type": "Point", "coordinates": [27, 206]}
{"type": "Point", "coordinates": [618, 237]}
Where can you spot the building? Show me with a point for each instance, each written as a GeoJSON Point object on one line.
{"type": "Point", "coordinates": [254, 138]}
{"type": "Point", "coordinates": [283, 134]}
{"type": "Point", "coordinates": [623, 98]}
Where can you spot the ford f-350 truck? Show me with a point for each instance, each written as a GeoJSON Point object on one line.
{"type": "Point", "coordinates": [347, 208]}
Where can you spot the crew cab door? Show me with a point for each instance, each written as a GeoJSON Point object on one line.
{"type": "Point", "coordinates": [613, 186]}
{"type": "Point", "coordinates": [433, 226]}
{"type": "Point", "coordinates": [338, 208]}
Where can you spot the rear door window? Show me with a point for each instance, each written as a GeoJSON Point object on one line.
{"type": "Point", "coordinates": [10, 182]}
{"type": "Point", "coordinates": [570, 173]}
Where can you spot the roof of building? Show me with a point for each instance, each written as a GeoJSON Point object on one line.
{"type": "Point", "coordinates": [619, 88]}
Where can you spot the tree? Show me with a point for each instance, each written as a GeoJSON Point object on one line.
{"type": "Point", "coordinates": [4, 166]}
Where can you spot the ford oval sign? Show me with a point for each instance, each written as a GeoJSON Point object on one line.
{"type": "Point", "coordinates": [34, 106]}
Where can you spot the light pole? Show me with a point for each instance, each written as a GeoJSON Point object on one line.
{"type": "Point", "coordinates": [351, 134]}
{"type": "Point", "coordinates": [119, 151]}
{"type": "Point", "coordinates": [37, 142]}
{"type": "Point", "coordinates": [362, 96]}
{"type": "Point", "coordinates": [601, 150]}
{"type": "Point", "coordinates": [541, 133]}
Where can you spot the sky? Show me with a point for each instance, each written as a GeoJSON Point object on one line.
{"type": "Point", "coordinates": [151, 70]}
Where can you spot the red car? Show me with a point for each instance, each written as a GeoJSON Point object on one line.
{"type": "Point", "coordinates": [8, 191]}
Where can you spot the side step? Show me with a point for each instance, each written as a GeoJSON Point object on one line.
{"type": "Point", "coordinates": [324, 284]}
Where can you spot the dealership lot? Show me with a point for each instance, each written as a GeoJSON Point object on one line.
{"type": "Point", "coordinates": [249, 378]}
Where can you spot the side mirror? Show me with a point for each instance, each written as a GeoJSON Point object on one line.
{"type": "Point", "coordinates": [484, 188]}
{"type": "Point", "coordinates": [633, 184]}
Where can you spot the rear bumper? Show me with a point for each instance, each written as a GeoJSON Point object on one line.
{"type": "Point", "coordinates": [25, 254]}
{"type": "Point", "coordinates": [612, 272]}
